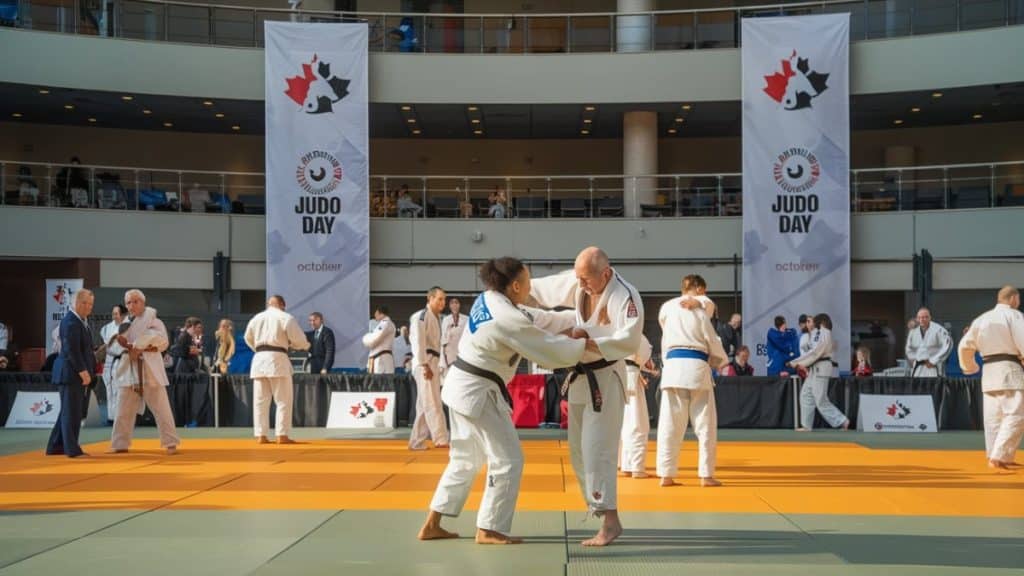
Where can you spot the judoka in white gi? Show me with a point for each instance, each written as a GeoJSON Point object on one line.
{"type": "Point", "coordinates": [999, 336]}
{"type": "Point", "coordinates": [381, 342]}
{"type": "Point", "coordinates": [452, 327]}
{"type": "Point", "coordinates": [114, 353]}
{"type": "Point", "coordinates": [806, 326]}
{"type": "Point", "coordinates": [928, 345]}
{"type": "Point", "coordinates": [609, 311]}
{"type": "Point", "coordinates": [818, 363]}
{"type": "Point", "coordinates": [636, 421]}
{"type": "Point", "coordinates": [425, 341]}
{"type": "Point", "coordinates": [402, 352]}
{"type": "Point", "coordinates": [271, 334]}
{"type": "Point", "coordinates": [500, 332]}
{"type": "Point", "coordinates": [690, 348]}
{"type": "Point", "coordinates": [141, 376]}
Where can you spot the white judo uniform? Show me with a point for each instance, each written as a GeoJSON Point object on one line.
{"type": "Point", "coordinates": [999, 336]}
{"type": "Point", "coordinates": [425, 341]}
{"type": "Point", "coordinates": [114, 355]}
{"type": "Point", "coordinates": [934, 345]}
{"type": "Point", "coordinates": [687, 386]}
{"type": "Point", "coordinates": [146, 330]}
{"type": "Point", "coordinates": [482, 431]}
{"type": "Point", "coordinates": [452, 328]}
{"type": "Point", "coordinates": [381, 342]}
{"type": "Point", "coordinates": [814, 393]}
{"type": "Point", "coordinates": [636, 421]}
{"type": "Point", "coordinates": [616, 326]}
{"type": "Point", "coordinates": [271, 370]}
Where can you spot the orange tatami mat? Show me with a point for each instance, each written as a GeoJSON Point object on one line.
{"type": "Point", "coordinates": [237, 474]}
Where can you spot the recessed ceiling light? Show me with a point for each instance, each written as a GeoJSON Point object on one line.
{"type": "Point", "coordinates": [897, 122]}
{"type": "Point", "coordinates": [168, 125]}
{"type": "Point", "coordinates": [976, 116]}
{"type": "Point", "coordinates": [236, 127]}
{"type": "Point", "coordinates": [679, 120]}
{"type": "Point", "coordinates": [406, 108]}
{"type": "Point", "coordinates": [478, 132]}
{"type": "Point", "coordinates": [127, 98]}
{"type": "Point", "coordinates": [590, 108]}
{"type": "Point", "coordinates": [207, 103]}
{"type": "Point", "coordinates": [584, 132]}
{"type": "Point", "coordinates": [686, 106]}
{"type": "Point", "coordinates": [915, 109]}
{"type": "Point", "coordinates": [936, 94]}
{"type": "Point", "coordinates": [219, 114]}
{"type": "Point", "coordinates": [475, 120]}
{"type": "Point", "coordinates": [69, 107]}
{"type": "Point", "coordinates": [92, 120]}
{"type": "Point", "coordinates": [44, 91]}
{"type": "Point", "coordinates": [671, 130]}
{"type": "Point", "coordinates": [147, 111]}
{"type": "Point", "coordinates": [411, 120]}
{"type": "Point", "coordinates": [587, 121]}
{"type": "Point", "coordinates": [16, 114]}
{"type": "Point", "coordinates": [472, 108]}
{"type": "Point", "coordinates": [417, 131]}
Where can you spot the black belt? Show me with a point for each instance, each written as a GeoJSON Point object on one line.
{"type": "Point", "coordinates": [433, 353]}
{"type": "Point", "coordinates": [381, 353]}
{"type": "Point", "coordinates": [271, 349]}
{"type": "Point", "coordinates": [477, 371]}
{"type": "Point", "coordinates": [1002, 358]}
{"type": "Point", "coordinates": [587, 369]}
{"type": "Point", "coordinates": [117, 356]}
{"type": "Point", "coordinates": [632, 363]}
{"type": "Point", "coordinates": [820, 360]}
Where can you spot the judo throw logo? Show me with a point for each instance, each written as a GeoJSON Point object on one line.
{"type": "Point", "coordinates": [897, 410]}
{"type": "Point", "coordinates": [62, 294]}
{"type": "Point", "coordinates": [795, 86]}
{"type": "Point", "coordinates": [363, 408]}
{"type": "Point", "coordinates": [41, 407]}
{"type": "Point", "coordinates": [796, 170]}
{"type": "Point", "coordinates": [317, 91]}
{"type": "Point", "coordinates": [318, 173]}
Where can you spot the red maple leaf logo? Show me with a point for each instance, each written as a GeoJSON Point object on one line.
{"type": "Point", "coordinates": [355, 409]}
{"type": "Point", "coordinates": [891, 410]}
{"type": "Point", "coordinates": [298, 86]}
{"type": "Point", "coordinates": [779, 81]}
{"type": "Point", "coordinates": [380, 404]}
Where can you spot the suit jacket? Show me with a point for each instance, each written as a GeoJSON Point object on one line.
{"type": "Point", "coordinates": [76, 353]}
{"type": "Point", "coordinates": [184, 363]}
{"type": "Point", "coordinates": [321, 353]}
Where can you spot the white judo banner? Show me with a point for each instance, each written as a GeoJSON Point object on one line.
{"type": "Point", "coordinates": [796, 193]}
{"type": "Point", "coordinates": [317, 147]}
{"type": "Point", "coordinates": [60, 297]}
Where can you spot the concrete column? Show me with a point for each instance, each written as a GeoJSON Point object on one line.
{"type": "Point", "coordinates": [639, 156]}
{"type": "Point", "coordinates": [633, 33]}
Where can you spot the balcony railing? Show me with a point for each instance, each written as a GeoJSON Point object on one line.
{"type": "Point", "coordinates": [953, 186]}
{"type": "Point", "coordinates": [240, 26]}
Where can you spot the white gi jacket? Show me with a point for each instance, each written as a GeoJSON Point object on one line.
{"type": "Point", "coordinates": [498, 335]}
{"type": "Point", "coordinates": [107, 333]}
{"type": "Point", "coordinates": [822, 347]}
{"type": "Point", "coordinates": [690, 329]}
{"type": "Point", "coordinates": [146, 330]}
{"type": "Point", "coordinates": [933, 347]}
{"type": "Point", "coordinates": [401, 351]}
{"type": "Point", "coordinates": [425, 339]}
{"type": "Point", "coordinates": [451, 332]}
{"type": "Point", "coordinates": [643, 354]}
{"type": "Point", "coordinates": [998, 331]}
{"type": "Point", "coordinates": [274, 327]}
{"type": "Point", "coordinates": [382, 338]}
{"type": "Point", "coordinates": [805, 343]}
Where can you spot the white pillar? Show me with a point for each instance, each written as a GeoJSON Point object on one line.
{"type": "Point", "coordinates": [633, 33]}
{"type": "Point", "coordinates": [639, 156]}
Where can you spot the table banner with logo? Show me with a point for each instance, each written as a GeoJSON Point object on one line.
{"type": "Point", "coordinates": [896, 413]}
{"type": "Point", "coordinates": [317, 166]}
{"type": "Point", "coordinates": [60, 297]}
{"type": "Point", "coordinates": [34, 410]}
{"type": "Point", "coordinates": [361, 410]}
{"type": "Point", "coordinates": [796, 194]}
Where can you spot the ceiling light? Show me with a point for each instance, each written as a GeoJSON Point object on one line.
{"type": "Point", "coordinates": [44, 91]}
{"type": "Point", "coordinates": [936, 94]}
{"type": "Point", "coordinates": [236, 127]}
{"type": "Point", "coordinates": [584, 131]}
{"type": "Point", "coordinates": [976, 116]}
{"type": "Point", "coordinates": [417, 131]}
{"type": "Point", "coordinates": [219, 114]}
{"type": "Point", "coordinates": [406, 108]}
{"type": "Point", "coordinates": [16, 114]}
{"type": "Point", "coordinates": [168, 125]}
{"type": "Point", "coordinates": [589, 108]}
{"type": "Point", "coordinates": [411, 120]}
{"type": "Point", "coordinates": [207, 103]}
{"type": "Point", "coordinates": [671, 130]}
{"type": "Point", "coordinates": [69, 107]}
{"type": "Point", "coordinates": [475, 120]}
{"type": "Point", "coordinates": [147, 111]}
{"type": "Point", "coordinates": [587, 121]}
{"type": "Point", "coordinates": [679, 120]}
{"type": "Point", "coordinates": [915, 109]}
{"type": "Point", "coordinates": [472, 108]}
{"type": "Point", "coordinates": [686, 106]}
{"type": "Point", "coordinates": [92, 120]}
{"type": "Point", "coordinates": [127, 98]}
{"type": "Point", "coordinates": [897, 122]}
{"type": "Point", "coordinates": [478, 132]}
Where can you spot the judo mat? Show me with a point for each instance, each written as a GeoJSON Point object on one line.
{"type": "Point", "coordinates": [793, 503]}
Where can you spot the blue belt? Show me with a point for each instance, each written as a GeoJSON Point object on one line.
{"type": "Point", "coordinates": [686, 353]}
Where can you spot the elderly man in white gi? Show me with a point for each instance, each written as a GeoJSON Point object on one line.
{"type": "Point", "coordinates": [142, 377]}
{"type": "Point", "coordinates": [819, 365]}
{"type": "Point", "coordinates": [999, 336]}
{"type": "Point", "coordinates": [381, 342]}
{"type": "Point", "coordinates": [271, 334]}
{"type": "Point", "coordinates": [609, 311]}
{"type": "Point", "coordinates": [501, 331]}
{"type": "Point", "coordinates": [425, 341]}
{"type": "Point", "coordinates": [452, 327]}
{"type": "Point", "coordinates": [690, 350]}
{"type": "Point", "coordinates": [928, 345]}
{"type": "Point", "coordinates": [636, 421]}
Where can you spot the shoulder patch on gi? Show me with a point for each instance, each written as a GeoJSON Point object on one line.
{"type": "Point", "coordinates": [423, 315]}
{"type": "Point", "coordinates": [479, 314]}
{"type": "Point", "coordinates": [631, 311]}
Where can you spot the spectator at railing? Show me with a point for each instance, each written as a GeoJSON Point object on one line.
{"type": "Point", "coordinates": [406, 207]}
{"type": "Point", "coordinates": [405, 35]}
{"type": "Point", "coordinates": [3, 337]}
{"type": "Point", "coordinates": [195, 198]}
{"type": "Point", "coordinates": [72, 186]}
{"type": "Point", "coordinates": [28, 190]}
{"type": "Point", "coordinates": [739, 366]}
{"type": "Point", "coordinates": [379, 204]}
{"type": "Point", "coordinates": [863, 368]}
{"type": "Point", "coordinates": [497, 201]}
{"type": "Point", "coordinates": [225, 346]}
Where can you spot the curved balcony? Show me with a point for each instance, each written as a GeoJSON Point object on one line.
{"type": "Point", "coordinates": [239, 26]}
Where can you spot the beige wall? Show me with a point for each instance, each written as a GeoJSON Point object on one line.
{"type": "Point", "coordinates": [240, 153]}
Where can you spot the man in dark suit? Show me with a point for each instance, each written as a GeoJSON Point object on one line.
{"type": "Point", "coordinates": [72, 372]}
{"type": "Point", "coordinates": [321, 353]}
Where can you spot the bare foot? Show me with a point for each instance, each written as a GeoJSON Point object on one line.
{"type": "Point", "coordinates": [666, 482]}
{"type": "Point", "coordinates": [441, 446]}
{"type": "Point", "coordinates": [1013, 465]}
{"type": "Point", "coordinates": [625, 474]}
{"type": "Point", "coordinates": [262, 440]}
{"type": "Point", "coordinates": [285, 440]}
{"type": "Point", "coordinates": [640, 475]}
{"type": "Point", "coordinates": [172, 450]}
{"type": "Point", "coordinates": [418, 448]}
{"type": "Point", "coordinates": [492, 537]}
{"type": "Point", "coordinates": [802, 429]}
{"type": "Point", "coordinates": [610, 530]}
{"type": "Point", "coordinates": [709, 482]}
{"type": "Point", "coordinates": [846, 425]}
{"type": "Point", "coordinates": [432, 530]}
{"type": "Point", "coordinates": [117, 451]}
{"type": "Point", "coordinates": [998, 465]}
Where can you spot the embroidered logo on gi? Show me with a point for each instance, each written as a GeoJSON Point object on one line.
{"type": "Point", "coordinates": [631, 310]}
{"type": "Point", "coordinates": [794, 89]}
{"type": "Point", "coordinates": [479, 314]}
{"type": "Point", "coordinates": [316, 92]}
